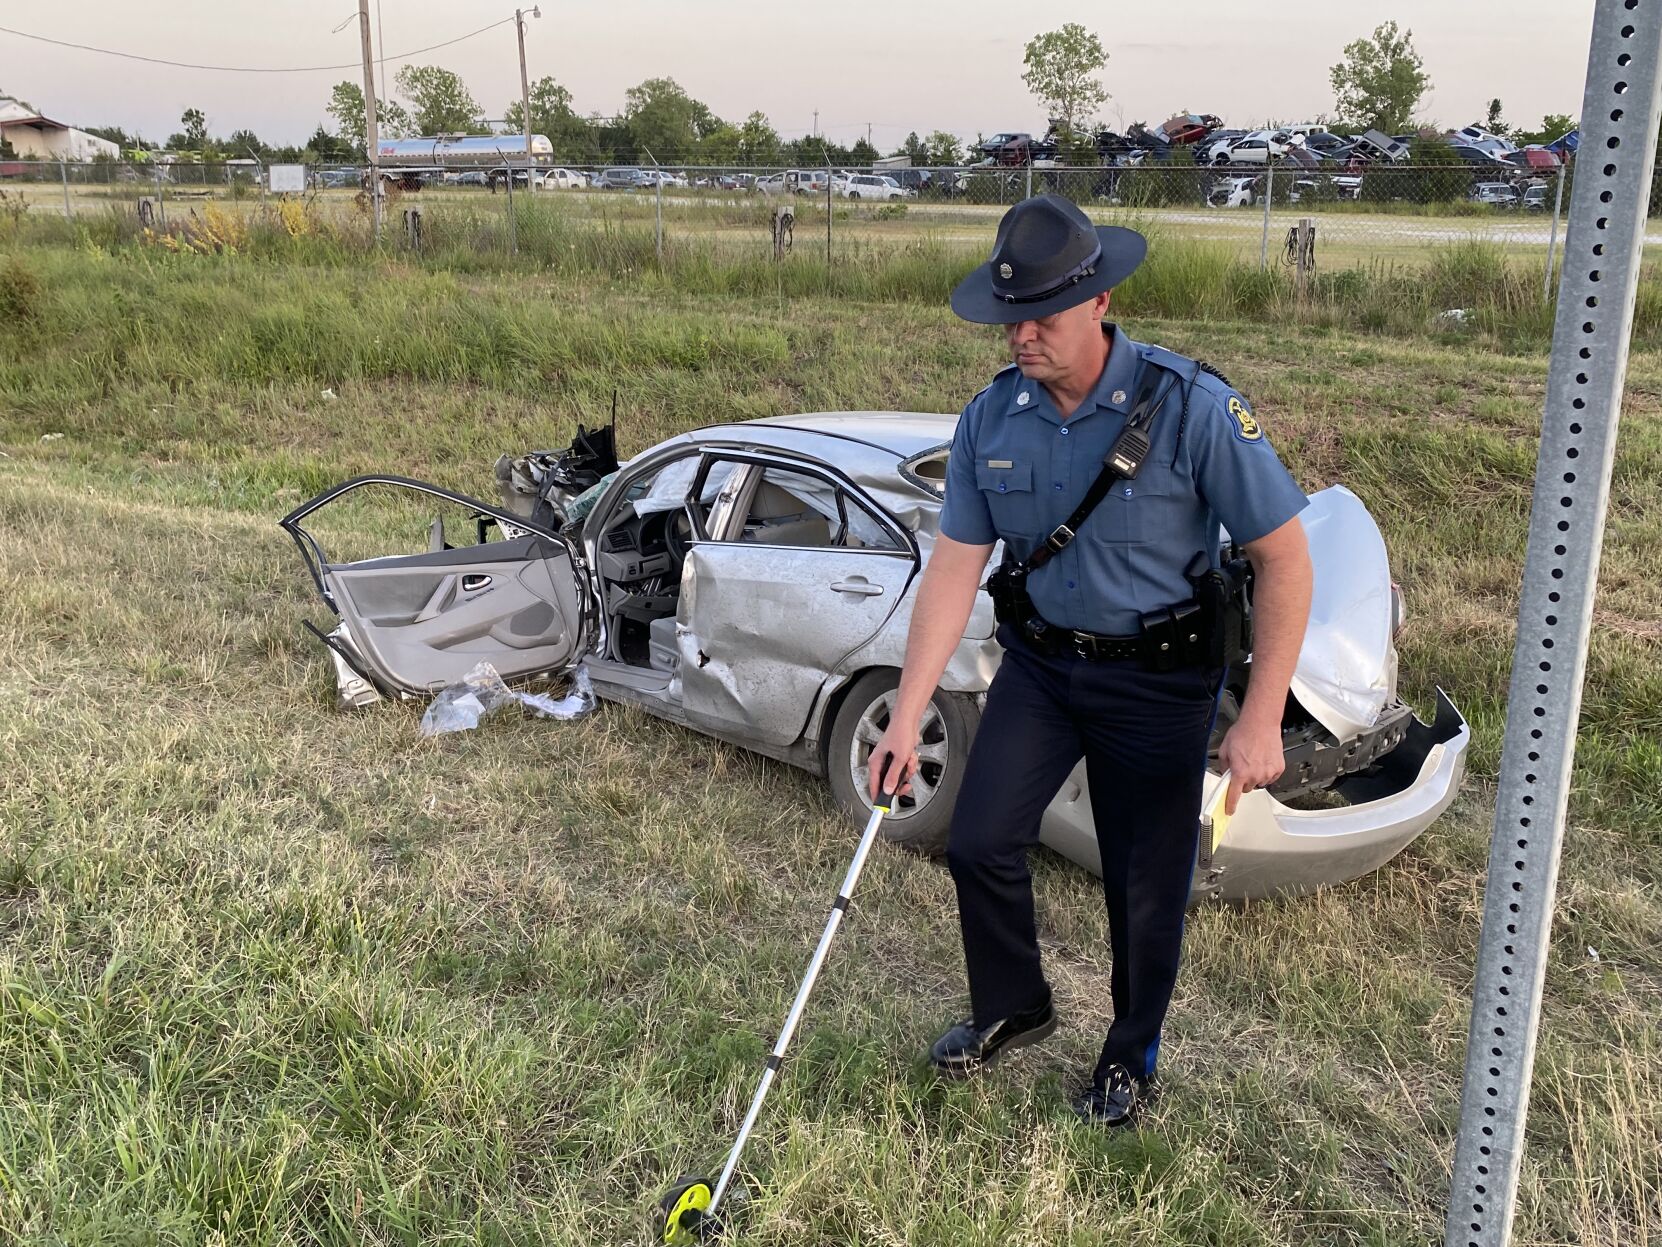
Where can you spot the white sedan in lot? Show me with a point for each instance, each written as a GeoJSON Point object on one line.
{"type": "Point", "coordinates": [755, 582]}
{"type": "Point", "coordinates": [873, 186]}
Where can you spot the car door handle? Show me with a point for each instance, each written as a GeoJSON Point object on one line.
{"type": "Point", "coordinates": [859, 586]}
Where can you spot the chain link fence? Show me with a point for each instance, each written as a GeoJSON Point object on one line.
{"type": "Point", "coordinates": [624, 216]}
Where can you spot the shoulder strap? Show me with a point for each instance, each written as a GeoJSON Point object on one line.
{"type": "Point", "coordinates": [1123, 461]}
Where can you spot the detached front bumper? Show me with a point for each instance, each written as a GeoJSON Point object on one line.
{"type": "Point", "coordinates": [1272, 849]}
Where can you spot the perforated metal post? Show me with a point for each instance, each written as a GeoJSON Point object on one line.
{"type": "Point", "coordinates": [1269, 194]}
{"type": "Point", "coordinates": [1572, 488]}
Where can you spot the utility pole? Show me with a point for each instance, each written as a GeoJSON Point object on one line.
{"type": "Point", "coordinates": [381, 38]}
{"type": "Point", "coordinates": [372, 138]}
{"type": "Point", "coordinates": [816, 123]}
{"type": "Point", "coordinates": [525, 91]}
{"type": "Point", "coordinates": [868, 134]}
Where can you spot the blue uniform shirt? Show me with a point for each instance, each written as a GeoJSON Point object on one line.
{"type": "Point", "coordinates": [1017, 470]}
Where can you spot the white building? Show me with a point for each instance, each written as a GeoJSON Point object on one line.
{"type": "Point", "coordinates": [34, 137]}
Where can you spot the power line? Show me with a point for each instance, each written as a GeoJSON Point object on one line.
{"type": "Point", "coordinates": [247, 69]}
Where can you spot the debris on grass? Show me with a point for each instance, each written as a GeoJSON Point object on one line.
{"type": "Point", "coordinates": [459, 707]}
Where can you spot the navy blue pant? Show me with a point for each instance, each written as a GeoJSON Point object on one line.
{"type": "Point", "coordinates": [1143, 736]}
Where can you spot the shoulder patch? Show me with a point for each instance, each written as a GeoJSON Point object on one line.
{"type": "Point", "coordinates": [1245, 424]}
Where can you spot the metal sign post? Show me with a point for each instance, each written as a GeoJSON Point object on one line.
{"type": "Point", "coordinates": [1585, 378]}
{"type": "Point", "coordinates": [1552, 239]}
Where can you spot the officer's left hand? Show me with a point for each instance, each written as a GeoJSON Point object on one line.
{"type": "Point", "coordinates": [1252, 754]}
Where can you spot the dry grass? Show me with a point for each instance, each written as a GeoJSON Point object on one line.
{"type": "Point", "coordinates": [277, 975]}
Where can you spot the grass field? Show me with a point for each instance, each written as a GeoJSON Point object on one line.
{"type": "Point", "coordinates": [277, 975]}
{"type": "Point", "coordinates": [1349, 235]}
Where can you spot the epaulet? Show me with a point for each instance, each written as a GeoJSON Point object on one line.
{"type": "Point", "coordinates": [996, 376]}
{"type": "Point", "coordinates": [1182, 365]}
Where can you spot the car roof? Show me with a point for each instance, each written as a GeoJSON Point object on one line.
{"type": "Point", "coordinates": [901, 433]}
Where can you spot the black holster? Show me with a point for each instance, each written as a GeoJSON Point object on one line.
{"type": "Point", "coordinates": [1223, 597]}
{"type": "Point", "coordinates": [1008, 589]}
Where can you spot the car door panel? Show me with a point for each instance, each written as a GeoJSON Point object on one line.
{"type": "Point", "coordinates": [761, 627]}
{"type": "Point", "coordinates": [768, 610]}
{"type": "Point", "coordinates": [419, 622]}
{"type": "Point", "coordinates": [511, 613]}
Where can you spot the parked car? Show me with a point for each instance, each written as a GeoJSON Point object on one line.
{"type": "Point", "coordinates": [662, 177]}
{"type": "Point", "coordinates": [807, 181]}
{"type": "Point", "coordinates": [562, 179]}
{"type": "Point", "coordinates": [1483, 160]}
{"type": "Point", "coordinates": [621, 178]}
{"type": "Point", "coordinates": [1258, 147]}
{"type": "Point", "coordinates": [804, 536]}
{"type": "Point", "coordinates": [1234, 193]}
{"type": "Point", "coordinates": [1535, 197]}
{"type": "Point", "coordinates": [1500, 194]}
{"type": "Point", "coordinates": [873, 186]}
{"type": "Point", "coordinates": [335, 178]}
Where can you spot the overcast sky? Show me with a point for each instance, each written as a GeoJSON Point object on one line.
{"type": "Point", "coordinates": [911, 65]}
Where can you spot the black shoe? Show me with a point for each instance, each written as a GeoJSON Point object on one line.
{"type": "Point", "coordinates": [967, 1049]}
{"type": "Point", "coordinates": [1114, 1100]}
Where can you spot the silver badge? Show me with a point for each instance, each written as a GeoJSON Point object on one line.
{"type": "Point", "coordinates": [1119, 396]}
{"type": "Point", "coordinates": [1021, 399]}
{"type": "Point", "coordinates": [1005, 271]}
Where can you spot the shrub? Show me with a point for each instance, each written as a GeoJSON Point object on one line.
{"type": "Point", "coordinates": [19, 292]}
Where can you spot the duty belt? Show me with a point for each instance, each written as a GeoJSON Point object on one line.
{"type": "Point", "coordinates": [1091, 646]}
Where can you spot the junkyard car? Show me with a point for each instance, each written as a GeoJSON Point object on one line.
{"type": "Point", "coordinates": [755, 582]}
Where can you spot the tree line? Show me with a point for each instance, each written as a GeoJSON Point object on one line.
{"type": "Point", "coordinates": [1378, 83]}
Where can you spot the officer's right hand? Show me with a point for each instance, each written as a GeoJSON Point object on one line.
{"type": "Point", "coordinates": [894, 758]}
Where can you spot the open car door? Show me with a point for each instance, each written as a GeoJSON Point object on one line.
{"type": "Point", "coordinates": [514, 593]}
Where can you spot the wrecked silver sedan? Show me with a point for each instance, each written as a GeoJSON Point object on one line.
{"type": "Point", "coordinates": [754, 581]}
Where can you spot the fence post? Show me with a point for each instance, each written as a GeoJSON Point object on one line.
{"type": "Point", "coordinates": [828, 223]}
{"type": "Point", "coordinates": [63, 171]}
{"type": "Point", "coordinates": [513, 220]}
{"type": "Point", "coordinates": [1552, 240]}
{"type": "Point", "coordinates": [1029, 194]}
{"type": "Point", "coordinates": [1305, 253]}
{"type": "Point", "coordinates": [161, 201]}
{"type": "Point", "coordinates": [1591, 337]}
{"type": "Point", "coordinates": [1269, 194]}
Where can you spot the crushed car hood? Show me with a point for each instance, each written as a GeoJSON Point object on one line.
{"type": "Point", "coordinates": [1347, 668]}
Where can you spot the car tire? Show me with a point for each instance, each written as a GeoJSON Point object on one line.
{"type": "Point", "coordinates": [949, 727]}
{"type": "Point", "coordinates": [853, 194]}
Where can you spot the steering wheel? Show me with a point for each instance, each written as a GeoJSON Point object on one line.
{"type": "Point", "coordinates": [677, 533]}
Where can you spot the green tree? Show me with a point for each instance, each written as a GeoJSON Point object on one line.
{"type": "Point", "coordinates": [1493, 123]}
{"type": "Point", "coordinates": [721, 146]}
{"type": "Point", "coordinates": [913, 147]}
{"type": "Point", "coordinates": [665, 120]}
{"type": "Point", "coordinates": [758, 141]}
{"type": "Point", "coordinates": [1553, 126]}
{"type": "Point", "coordinates": [553, 117]}
{"type": "Point", "coordinates": [346, 106]}
{"type": "Point", "coordinates": [7, 151]}
{"type": "Point", "coordinates": [1062, 68]}
{"type": "Point", "coordinates": [943, 149]}
{"type": "Point", "coordinates": [862, 154]}
{"type": "Point", "coordinates": [326, 148]}
{"type": "Point", "coordinates": [246, 143]}
{"type": "Point", "coordinates": [1380, 82]}
{"type": "Point", "coordinates": [440, 102]}
{"type": "Point", "coordinates": [196, 128]}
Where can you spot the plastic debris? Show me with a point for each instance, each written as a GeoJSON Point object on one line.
{"type": "Point", "coordinates": [1592, 953]}
{"type": "Point", "coordinates": [459, 707]}
{"type": "Point", "coordinates": [329, 393]}
{"type": "Point", "coordinates": [1456, 314]}
{"type": "Point", "coordinates": [51, 437]}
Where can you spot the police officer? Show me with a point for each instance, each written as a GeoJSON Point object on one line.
{"type": "Point", "coordinates": [1084, 673]}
